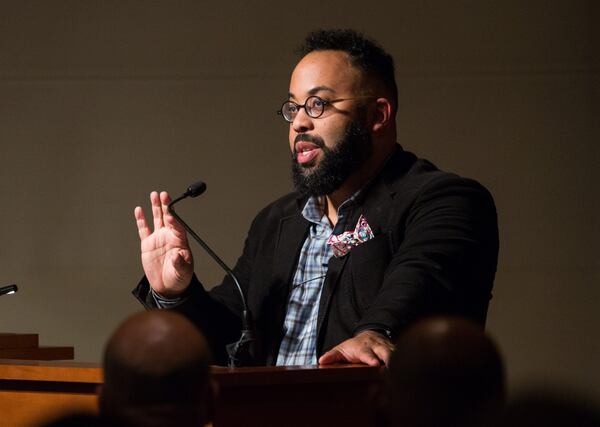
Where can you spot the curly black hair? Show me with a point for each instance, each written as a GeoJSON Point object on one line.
{"type": "Point", "coordinates": [365, 54]}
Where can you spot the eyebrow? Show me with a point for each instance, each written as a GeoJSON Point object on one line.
{"type": "Point", "coordinates": [314, 91]}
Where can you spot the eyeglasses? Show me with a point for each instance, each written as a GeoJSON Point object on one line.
{"type": "Point", "coordinates": [314, 107]}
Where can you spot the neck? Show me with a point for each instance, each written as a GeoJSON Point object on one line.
{"type": "Point", "coordinates": [365, 173]}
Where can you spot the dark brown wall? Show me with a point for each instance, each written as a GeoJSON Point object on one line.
{"type": "Point", "coordinates": [103, 101]}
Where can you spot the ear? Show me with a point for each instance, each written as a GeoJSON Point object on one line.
{"type": "Point", "coordinates": [383, 114]}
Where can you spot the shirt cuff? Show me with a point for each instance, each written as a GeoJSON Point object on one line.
{"type": "Point", "coordinates": [163, 302]}
{"type": "Point", "coordinates": [381, 330]}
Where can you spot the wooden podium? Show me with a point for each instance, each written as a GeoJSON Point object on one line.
{"type": "Point", "coordinates": [35, 391]}
{"type": "Point", "coordinates": [26, 346]}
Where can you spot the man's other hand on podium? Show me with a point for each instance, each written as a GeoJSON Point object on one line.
{"type": "Point", "coordinates": [369, 347]}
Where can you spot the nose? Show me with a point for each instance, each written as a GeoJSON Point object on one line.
{"type": "Point", "coordinates": [302, 122]}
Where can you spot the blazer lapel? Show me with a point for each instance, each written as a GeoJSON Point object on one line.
{"type": "Point", "coordinates": [290, 237]}
{"type": "Point", "coordinates": [334, 271]}
{"type": "Point", "coordinates": [375, 207]}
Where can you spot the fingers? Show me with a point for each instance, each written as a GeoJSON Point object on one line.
{"type": "Point", "coordinates": [161, 216]}
{"type": "Point", "coordinates": [160, 210]}
{"type": "Point", "coordinates": [164, 201]}
{"type": "Point", "coordinates": [169, 219]}
{"type": "Point", "coordinates": [332, 356]}
{"type": "Point", "coordinates": [157, 210]}
{"type": "Point", "coordinates": [142, 225]}
{"type": "Point", "coordinates": [352, 355]}
{"type": "Point", "coordinates": [368, 357]}
{"type": "Point", "coordinates": [383, 353]}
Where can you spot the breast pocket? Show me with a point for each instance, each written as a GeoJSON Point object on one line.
{"type": "Point", "coordinates": [368, 263]}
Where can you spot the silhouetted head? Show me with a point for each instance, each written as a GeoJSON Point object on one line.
{"type": "Point", "coordinates": [444, 372]}
{"type": "Point", "coordinates": [156, 372]}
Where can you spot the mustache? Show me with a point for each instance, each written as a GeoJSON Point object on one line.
{"type": "Point", "coordinates": [318, 141]}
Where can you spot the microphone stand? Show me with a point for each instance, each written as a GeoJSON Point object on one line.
{"type": "Point", "coordinates": [239, 351]}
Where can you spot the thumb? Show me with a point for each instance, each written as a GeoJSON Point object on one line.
{"type": "Point", "coordinates": [332, 356]}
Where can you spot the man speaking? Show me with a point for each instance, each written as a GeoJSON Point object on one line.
{"type": "Point", "coordinates": [371, 239]}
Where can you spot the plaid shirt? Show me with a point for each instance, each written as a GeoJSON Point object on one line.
{"type": "Point", "coordinates": [299, 343]}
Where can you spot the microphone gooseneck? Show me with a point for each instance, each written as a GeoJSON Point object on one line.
{"type": "Point", "coordinates": [239, 353]}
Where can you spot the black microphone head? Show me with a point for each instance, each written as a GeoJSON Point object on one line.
{"type": "Point", "coordinates": [196, 189]}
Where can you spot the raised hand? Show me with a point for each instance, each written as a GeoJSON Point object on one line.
{"type": "Point", "coordinates": [166, 256]}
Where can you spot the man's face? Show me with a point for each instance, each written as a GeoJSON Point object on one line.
{"type": "Point", "coordinates": [328, 149]}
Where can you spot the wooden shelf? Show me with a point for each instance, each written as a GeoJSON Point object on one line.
{"type": "Point", "coordinates": [26, 346]}
{"type": "Point", "coordinates": [18, 341]}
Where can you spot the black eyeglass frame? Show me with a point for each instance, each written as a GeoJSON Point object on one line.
{"type": "Point", "coordinates": [318, 98]}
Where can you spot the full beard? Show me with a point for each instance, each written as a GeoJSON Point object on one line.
{"type": "Point", "coordinates": [336, 165]}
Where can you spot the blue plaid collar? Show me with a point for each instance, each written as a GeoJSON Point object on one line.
{"type": "Point", "coordinates": [313, 210]}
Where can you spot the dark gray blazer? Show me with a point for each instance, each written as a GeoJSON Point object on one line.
{"type": "Point", "coordinates": [435, 251]}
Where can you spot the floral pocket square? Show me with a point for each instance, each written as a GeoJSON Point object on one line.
{"type": "Point", "coordinates": [343, 243]}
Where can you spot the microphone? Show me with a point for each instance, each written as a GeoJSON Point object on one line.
{"type": "Point", "coordinates": [194, 190]}
{"type": "Point", "coordinates": [10, 289]}
{"type": "Point", "coordinates": [239, 351]}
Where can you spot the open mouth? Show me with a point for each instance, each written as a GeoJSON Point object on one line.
{"type": "Point", "coordinates": [306, 152]}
